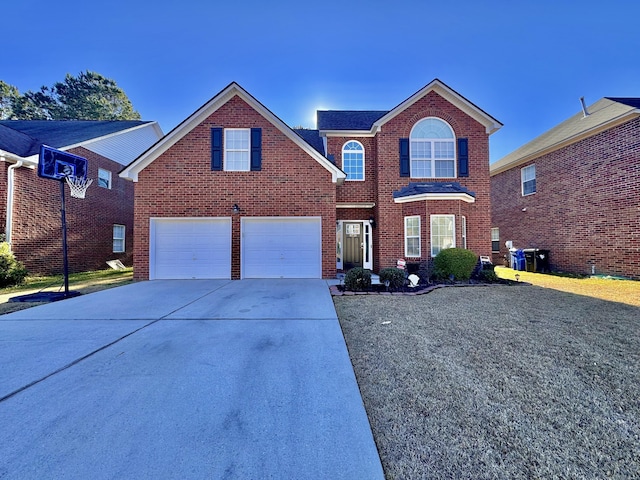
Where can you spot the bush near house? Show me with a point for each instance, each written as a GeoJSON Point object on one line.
{"type": "Point", "coordinates": [12, 272]}
{"type": "Point", "coordinates": [456, 262]}
{"type": "Point", "coordinates": [394, 276]}
{"type": "Point", "coordinates": [357, 279]}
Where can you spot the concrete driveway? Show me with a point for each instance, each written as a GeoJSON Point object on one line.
{"type": "Point", "coordinates": [175, 379]}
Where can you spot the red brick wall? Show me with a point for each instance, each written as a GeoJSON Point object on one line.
{"type": "Point", "coordinates": [37, 231]}
{"type": "Point", "coordinates": [586, 207]}
{"type": "Point", "coordinates": [389, 238]}
{"type": "Point", "coordinates": [180, 183]}
{"type": "Point", "coordinates": [356, 191]}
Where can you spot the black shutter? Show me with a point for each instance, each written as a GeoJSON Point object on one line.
{"type": "Point", "coordinates": [216, 148]}
{"type": "Point", "coordinates": [256, 149]}
{"type": "Point", "coordinates": [463, 157]}
{"type": "Point", "coordinates": [405, 171]}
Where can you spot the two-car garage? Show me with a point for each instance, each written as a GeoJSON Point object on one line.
{"type": "Point", "coordinates": [201, 248]}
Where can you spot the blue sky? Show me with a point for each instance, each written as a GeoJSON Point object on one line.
{"type": "Point", "coordinates": [526, 63]}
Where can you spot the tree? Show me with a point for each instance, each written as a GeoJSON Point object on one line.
{"type": "Point", "coordinates": [89, 96]}
{"type": "Point", "coordinates": [8, 95]}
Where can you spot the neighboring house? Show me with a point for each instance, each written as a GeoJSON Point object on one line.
{"type": "Point", "coordinates": [233, 192]}
{"type": "Point", "coordinates": [575, 191]}
{"type": "Point", "coordinates": [100, 227]}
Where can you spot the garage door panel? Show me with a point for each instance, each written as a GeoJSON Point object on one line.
{"type": "Point", "coordinates": [281, 247]}
{"type": "Point", "coordinates": [191, 248]}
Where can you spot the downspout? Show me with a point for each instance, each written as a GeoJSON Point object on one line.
{"type": "Point", "coordinates": [10, 190]}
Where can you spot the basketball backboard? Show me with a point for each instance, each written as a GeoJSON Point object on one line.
{"type": "Point", "coordinates": [57, 165]}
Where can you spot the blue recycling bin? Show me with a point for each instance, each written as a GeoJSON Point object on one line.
{"type": "Point", "coordinates": [520, 261]}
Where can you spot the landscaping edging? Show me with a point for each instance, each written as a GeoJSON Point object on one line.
{"type": "Point", "coordinates": [336, 292]}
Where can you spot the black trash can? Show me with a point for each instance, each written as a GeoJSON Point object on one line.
{"type": "Point", "coordinates": [536, 259]}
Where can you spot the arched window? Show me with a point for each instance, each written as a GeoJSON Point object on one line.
{"type": "Point", "coordinates": [353, 160]}
{"type": "Point", "coordinates": [432, 149]}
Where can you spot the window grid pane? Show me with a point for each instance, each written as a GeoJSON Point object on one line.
{"type": "Point", "coordinates": [442, 233]}
{"type": "Point", "coordinates": [412, 236]}
{"type": "Point", "coordinates": [528, 175]}
{"type": "Point", "coordinates": [353, 161]}
{"type": "Point", "coordinates": [431, 156]}
{"type": "Point", "coordinates": [236, 150]}
{"type": "Point", "coordinates": [118, 238]}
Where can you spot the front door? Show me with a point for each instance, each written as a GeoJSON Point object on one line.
{"type": "Point", "coordinates": [353, 244]}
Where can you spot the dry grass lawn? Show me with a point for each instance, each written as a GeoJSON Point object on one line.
{"type": "Point", "coordinates": [500, 382]}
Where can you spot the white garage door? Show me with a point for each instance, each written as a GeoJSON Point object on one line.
{"type": "Point", "coordinates": [278, 247]}
{"type": "Point", "coordinates": [190, 248]}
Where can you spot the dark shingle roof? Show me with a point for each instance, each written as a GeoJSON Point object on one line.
{"type": "Point", "coordinates": [24, 137]}
{"type": "Point", "coordinates": [312, 137]}
{"type": "Point", "coordinates": [348, 119]}
{"type": "Point", "coordinates": [420, 188]}
{"type": "Point", "coordinates": [15, 142]}
{"type": "Point", "coordinates": [632, 102]}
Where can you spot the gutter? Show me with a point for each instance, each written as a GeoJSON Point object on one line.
{"type": "Point", "coordinates": [10, 190]}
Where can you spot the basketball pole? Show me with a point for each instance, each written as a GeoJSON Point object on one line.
{"type": "Point", "coordinates": [64, 239]}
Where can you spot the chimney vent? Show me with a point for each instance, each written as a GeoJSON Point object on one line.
{"type": "Point", "coordinates": [585, 112]}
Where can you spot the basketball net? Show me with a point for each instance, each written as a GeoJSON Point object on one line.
{"type": "Point", "coordinates": [78, 185]}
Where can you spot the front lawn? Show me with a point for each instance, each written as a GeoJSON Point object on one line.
{"type": "Point", "coordinates": [498, 382]}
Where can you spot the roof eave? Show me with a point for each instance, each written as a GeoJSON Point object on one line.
{"type": "Point", "coordinates": [465, 197]}
{"type": "Point", "coordinates": [499, 167]}
{"type": "Point", "coordinates": [349, 133]}
{"type": "Point", "coordinates": [491, 124]}
{"type": "Point", "coordinates": [8, 157]}
{"type": "Point", "coordinates": [132, 170]}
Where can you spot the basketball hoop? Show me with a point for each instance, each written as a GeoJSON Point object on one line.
{"type": "Point", "coordinates": [78, 185]}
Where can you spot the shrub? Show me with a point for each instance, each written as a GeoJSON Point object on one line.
{"type": "Point", "coordinates": [357, 279]}
{"type": "Point", "coordinates": [455, 261]}
{"type": "Point", "coordinates": [488, 276]}
{"type": "Point", "coordinates": [12, 272]}
{"type": "Point", "coordinates": [394, 276]}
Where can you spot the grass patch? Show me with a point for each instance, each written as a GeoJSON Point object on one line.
{"type": "Point", "coordinates": [84, 282]}
{"type": "Point", "coordinates": [623, 291]}
{"type": "Point", "coordinates": [498, 382]}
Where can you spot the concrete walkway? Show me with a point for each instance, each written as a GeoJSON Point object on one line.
{"type": "Point", "coordinates": [183, 379]}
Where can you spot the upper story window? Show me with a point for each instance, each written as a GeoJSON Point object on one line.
{"type": "Point", "coordinates": [432, 149]}
{"type": "Point", "coordinates": [104, 178]}
{"type": "Point", "coordinates": [528, 178]}
{"type": "Point", "coordinates": [236, 149]}
{"type": "Point", "coordinates": [353, 160]}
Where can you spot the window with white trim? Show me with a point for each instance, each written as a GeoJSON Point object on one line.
{"type": "Point", "coordinates": [528, 176]}
{"type": "Point", "coordinates": [443, 228]}
{"type": "Point", "coordinates": [118, 238]}
{"type": "Point", "coordinates": [237, 147]}
{"type": "Point", "coordinates": [495, 239]}
{"type": "Point", "coordinates": [104, 178]}
{"type": "Point", "coordinates": [412, 236]}
{"type": "Point", "coordinates": [353, 160]}
{"type": "Point", "coordinates": [432, 150]}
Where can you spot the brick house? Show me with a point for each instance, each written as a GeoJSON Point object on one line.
{"type": "Point", "coordinates": [100, 227]}
{"type": "Point", "coordinates": [233, 192]}
{"type": "Point", "coordinates": [575, 191]}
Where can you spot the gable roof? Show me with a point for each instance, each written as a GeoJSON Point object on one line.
{"type": "Point", "coordinates": [333, 122]}
{"type": "Point", "coordinates": [233, 89]}
{"type": "Point", "coordinates": [21, 139]}
{"type": "Point", "coordinates": [606, 113]}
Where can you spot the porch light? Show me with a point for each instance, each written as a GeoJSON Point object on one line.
{"type": "Point", "coordinates": [372, 221]}
{"type": "Point", "coordinates": [236, 208]}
